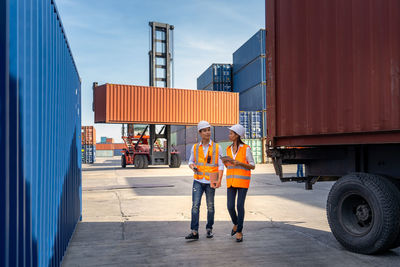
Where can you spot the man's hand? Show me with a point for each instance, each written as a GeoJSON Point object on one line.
{"type": "Point", "coordinates": [193, 167]}
{"type": "Point", "coordinates": [219, 183]}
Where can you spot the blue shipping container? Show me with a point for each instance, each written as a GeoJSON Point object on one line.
{"type": "Point", "coordinates": [253, 123]}
{"type": "Point", "coordinates": [249, 51]}
{"type": "Point", "coordinates": [253, 99]}
{"type": "Point", "coordinates": [40, 125]}
{"type": "Point", "coordinates": [218, 77]}
{"type": "Point", "coordinates": [88, 154]}
{"type": "Point", "coordinates": [250, 76]}
{"type": "Point", "coordinates": [117, 152]}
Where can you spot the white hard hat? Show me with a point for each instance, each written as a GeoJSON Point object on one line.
{"type": "Point", "coordinates": [202, 125]}
{"type": "Point", "coordinates": [239, 129]}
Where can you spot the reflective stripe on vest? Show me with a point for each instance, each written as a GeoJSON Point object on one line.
{"type": "Point", "coordinates": [238, 176]}
{"type": "Point", "coordinates": [204, 168]}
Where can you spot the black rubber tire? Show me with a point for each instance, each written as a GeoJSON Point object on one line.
{"type": "Point", "coordinates": [375, 199]}
{"type": "Point", "coordinates": [175, 161]}
{"type": "Point", "coordinates": [123, 161]}
{"type": "Point", "coordinates": [138, 162]}
{"type": "Point", "coordinates": [145, 162]}
{"type": "Point", "coordinates": [396, 185]}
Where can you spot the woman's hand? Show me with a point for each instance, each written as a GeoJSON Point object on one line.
{"type": "Point", "coordinates": [236, 163]}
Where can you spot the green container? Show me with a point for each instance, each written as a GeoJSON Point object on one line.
{"type": "Point", "coordinates": [256, 149]}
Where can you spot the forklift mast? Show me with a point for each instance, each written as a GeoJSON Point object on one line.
{"type": "Point", "coordinates": [160, 73]}
{"type": "Point", "coordinates": [160, 57]}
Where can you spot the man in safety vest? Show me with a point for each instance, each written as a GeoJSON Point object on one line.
{"type": "Point", "coordinates": [205, 161]}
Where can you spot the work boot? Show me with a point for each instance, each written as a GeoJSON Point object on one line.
{"type": "Point", "coordinates": [192, 236]}
{"type": "Point", "coordinates": [209, 233]}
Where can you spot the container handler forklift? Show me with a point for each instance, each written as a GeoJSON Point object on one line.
{"type": "Point", "coordinates": [142, 150]}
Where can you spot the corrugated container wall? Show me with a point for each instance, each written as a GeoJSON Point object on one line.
{"type": "Point", "coordinates": [143, 104]}
{"type": "Point", "coordinates": [333, 72]}
{"type": "Point", "coordinates": [88, 135]}
{"type": "Point", "coordinates": [104, 153]}
{"type": "Point", "coordinates": [88, 154]}
{"type": "Point", "coordinates": [249, 73]}
{"type": "Point", "coordinates": [218, 77]}
{"type": "Point", "coordinates": [253, 123]}
{"type": "Point", "coordinates": [40, 125]}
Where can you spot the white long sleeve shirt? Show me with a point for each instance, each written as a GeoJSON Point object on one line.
{"type": "Point", "coordinates": [205, 151]}
{"type": "Point", "coordinates": [249, 155]}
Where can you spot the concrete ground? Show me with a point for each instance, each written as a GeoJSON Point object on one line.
{"type": "Point", "coordinates": [140, 217]}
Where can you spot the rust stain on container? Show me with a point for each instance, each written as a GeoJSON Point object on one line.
{"type": "Point", "coordinates": [155, 105]}
{"type": "Point", "coordinates": [333, 70]}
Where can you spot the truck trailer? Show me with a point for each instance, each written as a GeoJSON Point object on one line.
{"type": "Point", "coordinates": [333, 105]}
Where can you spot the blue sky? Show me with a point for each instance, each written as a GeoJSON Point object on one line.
{"type": "Point", "coordinates": [110, 40]}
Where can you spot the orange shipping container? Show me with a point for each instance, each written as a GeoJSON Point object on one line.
{"type": "Point", "coordinates": [154, 105]}
{"type": "Point", "coordinates": [88, 135]}
{"type": "Point", "coordinates": [110, 146]}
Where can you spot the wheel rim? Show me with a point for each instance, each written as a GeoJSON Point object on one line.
{"type": "Point", "coordinates": [356, 214]}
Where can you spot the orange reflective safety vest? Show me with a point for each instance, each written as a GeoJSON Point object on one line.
{"type": "Point", "coordinates": [238, 176]}
{"type": "Point", "coordinates": [206, 165]}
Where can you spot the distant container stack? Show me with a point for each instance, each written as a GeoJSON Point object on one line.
{"type": "Point", "coordinates": [88, 134]}
{"type": "Point", "coordinates": [248, 78]}
{"type": "Point", "coordinates": [109, 149]}
{"type": "Point", "coordinates": [106, 140]}
{"type": "Point", "coordinates": [183, 138]}
{"type": "Point", "coordinates": [249, 73]}
{"type": "Point", "coordinates": [218, 77]}
{"type": "Point", "coordinates": [253, 122]}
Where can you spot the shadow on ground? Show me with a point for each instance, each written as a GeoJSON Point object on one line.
{"type": "Point", "coordinates": [163, 243]}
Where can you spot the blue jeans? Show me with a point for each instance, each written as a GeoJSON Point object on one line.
{"type": "Point", "coordinates": [237, 219]}
{"type": "Point", "coordinates": [300, 170]}
{"type": "Point", "coordinates": [197, 193]}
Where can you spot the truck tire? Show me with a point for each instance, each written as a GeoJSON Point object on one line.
{"type": "Point", "coordinates": [396, 184]}
{"type": "Point", "coordinates": [175, 161]}
{"type": "Point", "coordinates": [363, 213]}
{"type": "Point", "coordinates": [123, 161]}
{"type": "Point", "coordinates": [145, 162]}
{"type": "Point", "coordinates": [138, 162]}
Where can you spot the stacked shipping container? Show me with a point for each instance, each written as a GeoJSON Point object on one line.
{"type": "Point", "coordinates": [88, 144]}
{"type": "Point", "coordinates": [40, 123]}
{"type": "Point", "coordinates": [183, 138]}
{"type": "Point", "coordinates": [249, 78]}
{"type": "Point", "coordinates": [253, 123]}
{"type": "Point", "coordinates": [218, 77]}
{"type": "Point", "coordinates": [109, 149]}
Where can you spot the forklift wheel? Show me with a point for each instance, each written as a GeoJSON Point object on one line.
{"type": "Point", "coordinates": [123, 161]}
{"type": "Point", "coordinates": [138, 162]}
{"type": "Point", "coordinates": [175, 161]}
{"type": "Point", "coordinates": [145, 162]}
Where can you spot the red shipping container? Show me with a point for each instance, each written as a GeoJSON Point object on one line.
{"type": "Point", "coordinates": [333, 72]}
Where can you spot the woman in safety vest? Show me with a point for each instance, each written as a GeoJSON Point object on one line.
{"type": "Point", "coordinates": [239, 162]}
